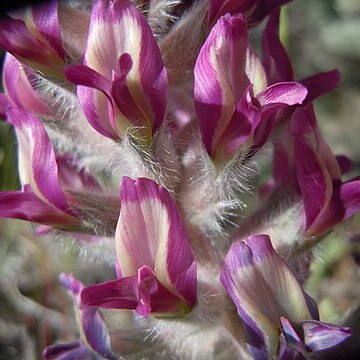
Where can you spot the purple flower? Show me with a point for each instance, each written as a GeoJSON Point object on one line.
{"type": "Point", "coordinates": [270, 301]}
{"type": "Point", "coordinates": [95, 338]}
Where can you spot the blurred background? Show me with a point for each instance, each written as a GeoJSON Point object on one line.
{"type": "Point", "coordinates": [320, 35]}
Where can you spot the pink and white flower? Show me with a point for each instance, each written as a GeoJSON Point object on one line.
{"type": "Point", "coordinates": [156, 266]}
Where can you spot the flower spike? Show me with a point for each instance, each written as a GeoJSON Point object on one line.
{"type": "Point", "coordinates": [142, 130]}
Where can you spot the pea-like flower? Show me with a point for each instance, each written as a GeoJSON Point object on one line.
{"type": "Point", "coordinates": [157, 268]}
{"type": "Point", "coordinates": [280, 319]}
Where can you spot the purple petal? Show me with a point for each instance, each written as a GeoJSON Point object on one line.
{"type": "Point", "coordinates": [45, 17]}
{"type": "Point", "coordinates": [16, 39]}
{"type": "Point", "coordinates": [344, 203]}
{"type": "Point", "coordinates": [150, 233]}
{"type": "Point", "coordinates": [262, 133]}
{"type": "Point", "coordinates": [254, 11]}
{"type": "Point", "coordinates": [83, 75]}
{"type": "Point", "coordinates": [276, 61]}
{"type": "Point", "coordinates": [312, 306]}
{"type": "Point", "coordinates": [286, 352]}
{"type": "Point", "coordinates": [218, 8]}
{"type": "Point", "coordinates": [283, 163]}
{"type": "Point", "coordinates": [92, 328]}
{"type": "Point", "coordinates": [220, 77]}
{"type": "Point", "coordinates": [112, 123]}
{"type": "Point", "coordinates": [67, 351]}
{"type": "Point", "coordinates": [71, 177]}
{"type": "Point", "coordinates": [239, 131]}
{"type": "Point", "coordinates": [319, 336]}
{"type": "Point", "coordinates": [95, 334]}
{"type": "Point", "coordinates": [314, 181]}
{"type": "Point", "coordinates": [27, 206]}
{"type": "Point", "coordinates": [345, 164]}
{"type": "Point", "coordinates": [276, 97]}
{"type": "Point", "coordinates": [37, 163]}
{"type": "Point", "coordinates": [279, 95]}
{"type": "Point", "coordinates": [142, 292]}
{"type": "Point", "coordinates": [321, 84]}
{"type": "Point", "coordinates": [316, 167]}
{"type": "Point", "coordinates": [291, 336]}
{"type": "Point", "coordinates": [263, 289]}
{"type": "Point", "coordinates": [265, 8]}
{"type": "Point", "coordinates": [73, 285]}
{"type": "Point", "coordinates": [19, 89]}
{"type": "Point", "coordinates": [154, 297]}
{"type": "Point", "coordinates": [304, 125]}
{"type": "Point", "coordinates": [114, 294]}
{"type": "Point", "coordinates": [117, 27]}
{"type": "Point", "coordinates": [94, 94]}
{"type": "Point", "coordinates": [98, 111]}
{"type": "Point", "coordinates": [125, 101]}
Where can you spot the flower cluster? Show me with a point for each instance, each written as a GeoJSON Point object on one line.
{"type": "Point", "coordinates": [169, 101]}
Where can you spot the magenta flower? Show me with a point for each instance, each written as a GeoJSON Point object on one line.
{"type": "Point", "coordinates": [157, 268]}
{"type": "Point", "coordinates": [231, 94]}
{"type": "Point", "coordinates": [51, 184]}
{"type": "Point", "coordinates": [125, 87]}
{"type": "Point", "coordinates": [43, 36]}
{"type": "Point", "coordinates": [278, 68]}
{"type": "Point", "coordinates": [35, 40]}
{"type": "Point", "coordinates": [327, 200]}
{"type": "Point", "coordinates": [41, 198]}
